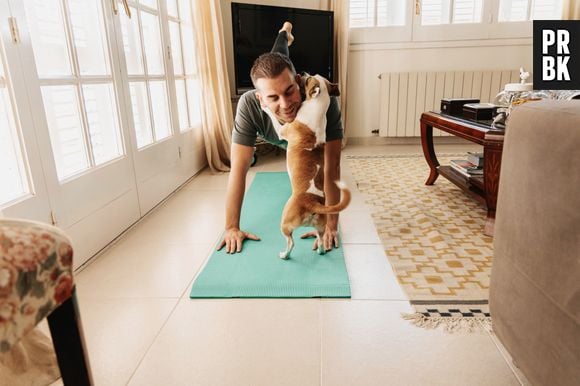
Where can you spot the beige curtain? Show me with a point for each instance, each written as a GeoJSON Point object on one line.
{"type": "Point", "coordinates": [341, 42]}
{"type": "Point", "coordinates": [216, 107]}
{"type": "Point", "coordinates": [571, 10]}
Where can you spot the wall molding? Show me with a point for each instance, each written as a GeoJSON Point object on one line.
{"type": "Point", "coordinates": [439, 44]}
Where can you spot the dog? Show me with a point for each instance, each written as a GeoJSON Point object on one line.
{"type": "Point", "coordinates": [311, 115]}
{"type": "Point", "coordinates": [306, 136]}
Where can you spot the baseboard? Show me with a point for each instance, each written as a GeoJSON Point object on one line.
{"type": "Point", "coordinates": [510, 361]}
{"type": "Point", "coordinates": [130, 227]}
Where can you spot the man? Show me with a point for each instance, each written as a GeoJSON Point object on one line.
{"type": "Point", "coordinates": [277, 88]}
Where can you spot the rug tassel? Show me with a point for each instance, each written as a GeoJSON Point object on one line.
{"type": "Point", "coordinates": [450, 324]}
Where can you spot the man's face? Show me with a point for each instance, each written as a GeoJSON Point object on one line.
{"type": "Point", "coordinates": [281, 95]}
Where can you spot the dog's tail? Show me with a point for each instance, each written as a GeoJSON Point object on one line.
{"type": "Point", "coordinates": [316, 207]}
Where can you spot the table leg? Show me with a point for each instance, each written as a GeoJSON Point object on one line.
{"type": "Point", "coordinates": [429, 152]}
{"type": "Point", "coordinates": [491, 169]}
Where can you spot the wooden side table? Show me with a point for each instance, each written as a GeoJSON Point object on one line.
{"type": "Point", "coordinates": [482, 188]}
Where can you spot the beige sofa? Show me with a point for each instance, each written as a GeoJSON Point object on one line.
{"type": "Point", "coordinates": [535, 281]}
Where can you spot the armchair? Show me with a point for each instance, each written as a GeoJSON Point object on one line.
{"type": "Point", "coordinates": [36, 282]}
{"type": "Point", "coordinates": [535, 279]}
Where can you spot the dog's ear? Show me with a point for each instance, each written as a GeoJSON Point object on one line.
{"type": "Point", "coordinates": [314, 91]}
{"type": "Point", "coordinates": [312, 87]}
{"type": "Point", "coordinates": [332, 89]}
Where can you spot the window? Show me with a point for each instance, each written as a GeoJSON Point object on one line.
{"type": "Point", "coordinates": [523, 10]}
{"type": "Point", "coordinates": [13, 171]}
{"type": "Point", "coordinates": [435, 12]}
{"type": "Point", "coordinates": [184, 64]}
{"type": "Point", "coordinates": [375, 21]}
{"type": "Point", "coordinates": [89, 129]}
{"type": "Point", "coordinates": [377, 13]}
{"type": "Point", "coordinates": [146, 72]}
{"type": "Point", "coordinates": [74, 70]}
{"type": "Point", "coordinates": [381, 21]}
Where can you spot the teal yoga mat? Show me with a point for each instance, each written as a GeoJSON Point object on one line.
{"type": "Point", "coordinates": [258, 272]}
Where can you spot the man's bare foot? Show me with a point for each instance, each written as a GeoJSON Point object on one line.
{"type": "Point", "coordinates": [287, 26]}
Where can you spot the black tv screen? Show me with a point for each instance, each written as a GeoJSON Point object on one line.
{"type": "Point", "coordinates": [255, 28]}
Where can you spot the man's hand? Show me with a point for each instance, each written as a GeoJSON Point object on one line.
{"type": "Point", "coordinates": [233, 239]}
{"type": "Point", "coordinates": [329, 239]}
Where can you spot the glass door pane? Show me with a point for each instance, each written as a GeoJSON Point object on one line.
{"type": "Point", "coordinates": [80, 104]}
{"type": "Point", "coordinates": [48, 35]}
{"type": "Point", "coordinates": [181, 104]}
{"type": "Point", "coordinates": [89, 37]}
{"type": "Point", "coordinates": [141, 120]}
{"type": "Point", "coordinates": [147, 82]}
{"type": "Point", "coordinates": [102, 118]}
{"type": "Point", "coordinates": [194, 102]}
{"type": "Point", "coordinates": [185, 10]}
{"type": "Point", "coordinates": [149, 3]}
{"type": "Point", "coordinates": [132, 44]}
{"type": "Point", "coordinates": [189, 53]}
{"type": "Point", "coordinates": [183, 50]}
{"type": "Point", "coordinates": [13, 171]}
{"type": "Point", "coordinates": [153, 50]}
{"type": "Point", "coordinates": [176, 48]}
{"type": "Point", "coordinates": [172, 8]}
{"type": "Point", "coordinates": [66, 135]}
{"type": "Point", "coordinates": [160, 106]}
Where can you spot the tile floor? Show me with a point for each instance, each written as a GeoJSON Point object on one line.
{"type": "Point", "coordinates": [142, 329]}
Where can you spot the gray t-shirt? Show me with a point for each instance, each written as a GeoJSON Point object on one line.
{"type": "Point", "coordinates": [251, 121]}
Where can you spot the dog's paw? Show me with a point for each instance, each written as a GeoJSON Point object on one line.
{"type": "Point", "coordinates": [284, 255]}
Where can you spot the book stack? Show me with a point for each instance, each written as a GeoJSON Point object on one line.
{"type": "Point", "coordinates": [475, 158]}
{"type": "Point", "coordinates": [466, 168]}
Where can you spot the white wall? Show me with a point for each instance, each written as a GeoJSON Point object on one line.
{"type": "Point", "coordinates": [367, 61]}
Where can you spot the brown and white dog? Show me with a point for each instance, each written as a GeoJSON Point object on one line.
{"type": "Point", "coordinates": [306, 136]}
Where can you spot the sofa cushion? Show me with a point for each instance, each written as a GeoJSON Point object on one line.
{"type": "Point", "coordinates": [535, 281]}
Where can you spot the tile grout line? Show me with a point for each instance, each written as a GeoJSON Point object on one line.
{"type": "Point", "coordinates": [152, 342]}
{"type": "Point", "coordinates": [199, 270]}
{"type": "Point", "coordinates": [179, 298]}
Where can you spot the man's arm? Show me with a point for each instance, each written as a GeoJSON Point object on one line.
{"type": "Point", "coordinates": [241, 157]}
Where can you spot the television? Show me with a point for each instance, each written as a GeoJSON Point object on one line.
{"type": "Point", "coordinates": [255, 28]}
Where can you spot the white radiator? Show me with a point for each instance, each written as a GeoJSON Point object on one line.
{"type": "Point", "coordinates": [405, 95]}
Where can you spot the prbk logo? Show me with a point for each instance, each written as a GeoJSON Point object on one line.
{"type": "Point", "coordinates": [556, 55]}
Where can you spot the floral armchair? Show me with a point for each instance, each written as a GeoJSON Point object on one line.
{"type": "Point", "coordinates": [36, 281]}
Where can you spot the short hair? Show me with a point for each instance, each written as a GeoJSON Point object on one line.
{"type": "Point", "coordinates": [270, 65]}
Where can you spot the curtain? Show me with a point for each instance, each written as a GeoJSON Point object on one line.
{"type": "Point", "coordinates": [571, 10]}
{"type": "Point", "coordinates": [341, 42]}
{"type": "Point", "coordinates": [216, 108]}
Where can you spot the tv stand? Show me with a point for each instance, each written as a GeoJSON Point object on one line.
{"type": "Point", "coordinates": [482, 188]}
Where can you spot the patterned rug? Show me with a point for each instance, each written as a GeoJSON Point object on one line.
{"type": "Point", "coordinates": [433, 238]}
